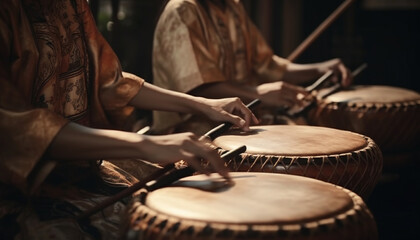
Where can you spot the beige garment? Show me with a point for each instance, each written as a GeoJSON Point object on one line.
{"type": "Point", "coordinates": [55, 67]}
{"type": "Point", "coordinates": [194, 46]}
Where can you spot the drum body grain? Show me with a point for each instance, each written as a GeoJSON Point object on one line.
{"type": "Point", "coordinates": [257, 206]}
{"type": "Point", "coordinates": [348, 159]}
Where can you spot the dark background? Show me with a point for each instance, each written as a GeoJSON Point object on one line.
{"type": "Point", "coordinates": [385, 34]}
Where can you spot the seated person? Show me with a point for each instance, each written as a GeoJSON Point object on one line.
{"type": "Point", "coordinates": [63, 99]}
{"type": "Point", "coordinates": [211, 48]}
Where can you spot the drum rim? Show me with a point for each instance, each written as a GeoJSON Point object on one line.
{"type": "Point", "coordinates": [369, 144]}
{"type": "Point", "coordinates": [414, 101]}
{"type": "Point", "coordinates": [167, 223]}
{"type": "Point", "coordinates": [329, 103]}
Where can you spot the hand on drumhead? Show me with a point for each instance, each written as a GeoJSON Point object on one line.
{"type": "Point", "coordinates": [164, 149]}
{"type": "Point", "coordinates": [231, 110]}
{"type": "Point", "coordinates": [340, 72]}
{"type": "Point", "coordinates": [282, 94]}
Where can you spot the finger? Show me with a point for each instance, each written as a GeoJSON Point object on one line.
{"type": "Point", "coordinates": [295, 96]}
{"type": "Point", "coordinates": [347, 81]}
{"type": "Point", "coordinates": [239, 109]}
{"type": "Point", "coordinates": [288, 102]}
{"type": "Point", "coordinates": [208, 154]}
{"type": "Point", "coordinates": [194, 162]}
{"type": "Point", "coordinates": [335, 78]}
{"type": "Point", "coordinates": [252, 118]}
{"type": "Point", "coordinates": [235, 120]}
{"type": "Point", "coordinates": [246, 114]}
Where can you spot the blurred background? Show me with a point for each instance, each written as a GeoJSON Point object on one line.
{"type": "Point", "coordinates": [385, 34]}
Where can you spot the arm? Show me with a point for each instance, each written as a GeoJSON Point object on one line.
{"type": "Point", "coordinates": [222, 110]}
{"type": "Point", "coordinates": [76, 142]}
{"type": "Point", "coordinates": [275, 94]}
{"type": "Point", "coordinates": [302, 74]}
{"type": "Point", "coordinates": [271, 68]}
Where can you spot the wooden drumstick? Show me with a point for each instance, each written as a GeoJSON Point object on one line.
{"type": "Point", "coordinates": [320, 81]}
{"type": "Point", "coordinates": [321, 28]}
{"type": "Point", "coordinates": [124, 193]}
{"type": "Point", "coordinates": [156, 175]}
{"type": "Point", "coordinates": [334, 88]}
{"type": "Point", "coordinates": [337, 86]}
{"type": "Point", "coordinates": [176, 174]}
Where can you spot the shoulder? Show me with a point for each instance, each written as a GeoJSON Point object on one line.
{"type": "Point", "coordinates": [187, 11]}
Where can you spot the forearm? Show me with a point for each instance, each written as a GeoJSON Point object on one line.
{"type": "Point", "coordinates": [302, 74]}
{"type": "Point", "coordinates": [76, 142]}
{"type": "Point", "coordinates": [224, 90]}
{"type": "Point", "coordinates": [229, 109]}
{"type": "Point", "coordinates": [155, 98]}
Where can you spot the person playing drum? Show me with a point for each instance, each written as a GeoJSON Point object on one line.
{"type": "Point", "coordinates": [63, 99]}
{"type": "Point", "coordinates": [211, 48]}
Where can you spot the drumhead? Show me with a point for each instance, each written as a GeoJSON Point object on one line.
{"type": "Point", "coordinates": [255, 198]}
{"type": "Point", "coordinates": [293, 140]}
{"type": "Point", "coordinates": [373, 94]}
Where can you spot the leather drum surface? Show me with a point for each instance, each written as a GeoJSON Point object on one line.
{"type": "Point", "coordinates": [252, 199]}
{"type": "Point", "coordinates": [373, 95]}
{"type": "Point", "coordinates": [292, 140]}
{"type": "Point", "coordinates": [256, 206]}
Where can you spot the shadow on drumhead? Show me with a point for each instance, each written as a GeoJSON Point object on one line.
{"type": "Point", "coordinates": [237, 132]}
{"type": "Point", "coordinates": [209, 185]}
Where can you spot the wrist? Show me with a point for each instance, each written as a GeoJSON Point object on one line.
{"type": "Point", "coordinates": [198, 105]}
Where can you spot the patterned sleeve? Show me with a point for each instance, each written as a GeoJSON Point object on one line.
{"type": "Point", "coordinates": [25, 133]}
{"type": "Point", "coordinates": [183, 55]}
{"type": "Point", "coordinates": [111, 90]}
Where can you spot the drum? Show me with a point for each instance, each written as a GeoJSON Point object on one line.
{"type": "Point", "coordinates": [256, 206]}
{"type": "Point", "coordinates": [348, 159]}
{"type": "Point", "coordinates": [389, 115]}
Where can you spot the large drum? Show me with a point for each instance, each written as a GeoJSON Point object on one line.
{"type": "Point", "coordinates": [340, 157]}
{"type": "Point", "coordinates": [389, 115]}
{"type": "Point", "coordinates": [257, 206]}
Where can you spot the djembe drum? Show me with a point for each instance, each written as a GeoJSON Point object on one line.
{"type": "Point", "coordinates": [389, 115]}
{"type": "Point", "coordinates": [348, 159]}
{"type": "Point", "coordinates": [257, 206]}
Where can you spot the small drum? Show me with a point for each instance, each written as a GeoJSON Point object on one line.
{"type": "Point", "coordinates": [388, 115]}
{"type": "Point", "coordinates": [340, 157]}
{"type": "Point", "coordinates": [257, 206]}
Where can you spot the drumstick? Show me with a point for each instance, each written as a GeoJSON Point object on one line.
{"type": "Point", "coordinates": [124, 193]}
{"type": "Point", "coordinates": [328, 74]}
{"type": "Point", "coordinates": [334, 88]}
{"type": "Point", "coordinates": [321, 28]}
{"type": "Point", "coordinates": [320, 81]}
{"type": "Point", "coordinates": [176, 174]}
{"type": "Point", "coordinates": [156, 175]}
{"type": "Point", "coordinates": [220, 129]}
{"type": "Point", "coordinates": [337, 86]}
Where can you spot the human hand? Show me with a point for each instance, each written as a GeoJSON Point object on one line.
{"type": "Point", "coordinates": [164, 149]}
{"type": "Point", "coordinates": [282, 94]}
{"type": "Point", "coordinates": [229, 110]}
{"type": "Point", "coordinates": [340, 72]}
